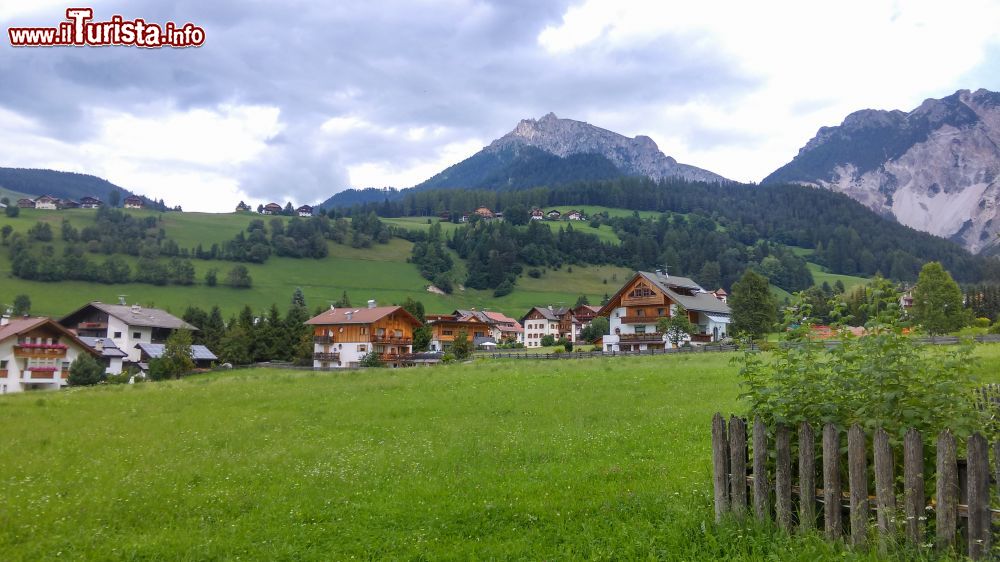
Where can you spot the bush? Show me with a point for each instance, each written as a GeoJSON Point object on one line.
{"type": "Point", "coordinates": [534, 273]}
{"type": "Point", "coordinates": [120, 378]}
{"type": "Point", "coordinates": [447, 358]}
{"type": "Point", "coordinates": [372, 359]}
{"type": "Point", "coordinates": [567, 345]}
{"type": "Point", "coordinates": [85, 371]}
{"type": "Point", "coordinates": [981, 323]}
{"type": "Point", "coordinates": [548, 340]}
{"type": "Point", "coordinates": [882, 379]}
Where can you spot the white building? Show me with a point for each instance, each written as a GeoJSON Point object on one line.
{"type": "Point", "coordinates": [543, 321]}
{"type": "Point", "coordinates": [635, 310]}
{"type": "Point", "coordinates": [126, 326]}
{"type": "Point", "coordinates": [47, 203]}
{"type": "Point", "coordinates": [36, 353]}
{"type": "Point", "coordinates": [342, 337]}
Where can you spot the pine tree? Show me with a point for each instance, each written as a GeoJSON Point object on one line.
{"type": "Point", "coordinates": [753, 306]}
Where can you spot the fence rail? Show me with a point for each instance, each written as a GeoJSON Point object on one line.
{"type": "Point", "coordinates": [963, 487]}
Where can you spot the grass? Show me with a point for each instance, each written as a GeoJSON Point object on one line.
{"type": "Point", "coordinates": [586, 459]}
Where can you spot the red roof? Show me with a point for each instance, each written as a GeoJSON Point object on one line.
{"type": "Point", "coordinates": [336, 316]}
{"type": "Point", "coordinates": [18, 326]}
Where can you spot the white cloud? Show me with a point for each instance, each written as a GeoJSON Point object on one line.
{"type": "Point", "coordinates": [411, 171]}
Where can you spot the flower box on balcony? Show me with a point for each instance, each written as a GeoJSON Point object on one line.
{"type": "Point", "coordinates": [42, 369]}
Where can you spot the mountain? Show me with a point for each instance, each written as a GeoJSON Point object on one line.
{"type": "Point", "coordinates": [547, 152]}
{"type": "Point", "coordinates": [935, 168]}
{"type": "Point", "coordinates": [64, 185]}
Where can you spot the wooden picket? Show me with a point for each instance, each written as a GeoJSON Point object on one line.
{"type": "Point", "coordinates": [963, 489]}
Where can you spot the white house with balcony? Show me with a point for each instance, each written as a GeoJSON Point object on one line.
{"type": "Point", "coordinates": [635, 310]}
{"type": "Point", "coordinates": [36, 353]}
{"type": "Point", "coordinates": [125, 326]}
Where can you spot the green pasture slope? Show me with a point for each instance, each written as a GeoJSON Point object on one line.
{"type": "Point", "coordinates": [580, 459]}
{"type": "Point", "coordinates": [379, 272]}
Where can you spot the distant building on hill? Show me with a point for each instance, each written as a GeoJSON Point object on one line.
{"type": "Point", "coordinates": [537, 214]}
{"type": "Point", "coordinates": [26, 203]}
{"type": "Point", "coordinates": [89, 202]}
{"type": "Point", "coordinates": [304, 211]}
{"type": "Point", "coordinates": [46, 202]}
{"type": "Point", "coordinates": [272, 209]}
{"type": "Point", "coordinates": [132, 202]}
{"type": "Point", "coordinates": [242, 207]}
{"type": "Point", "coordinates": [554, 215]}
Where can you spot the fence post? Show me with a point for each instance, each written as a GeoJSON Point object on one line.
{"type": "Point", "coordinates": [913, 484]}
{"type": "Point", "coordinates": [857, 471]}
{"type": "Point", "coordinates": [720, 452]}
{"type": "Point", "coordinates": [783, 477]}
{"type": "Point", "coordinates": [831, 482]}
{"type": "Point", "coordinates": [807, 478]}
{"type": "Point", "coordinates": [979, 497]}
{"type": "Point", "coordinates": [738, 466]}
{"type": "Point", "coordinates": [885, 478]}
{"type": "Point", "coordinates": [947, 490]}
{"type": "Point", "coordinates": [761, 503]}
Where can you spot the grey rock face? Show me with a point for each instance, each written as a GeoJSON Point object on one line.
{"type": "Point", "coordinates": [936, 168]}
{"type": "Point", "coordinates": [563, 137]}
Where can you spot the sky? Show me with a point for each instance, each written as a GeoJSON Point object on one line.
{"type": "Point", "coordinates": [298, 101]}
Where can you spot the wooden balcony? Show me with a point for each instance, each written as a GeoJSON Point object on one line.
{"type": "Point", "coordinates": [701, 338]}
{"type": "Point", "coordinates": [641, 319]}
{"type": "Point", "coordinates": [653, 337]}
{"type": "Point", "coordinates": [323, 340]}
{"type": "Point", "coordinates": [41, 374]}
{"type": "Point", "coordinates": [39, 351]}
{"type": "Point", "coordinates": [391, 340]}
{"type": "Point", "coordinates": [390, 357]}
{"type": "Point", "coordinates": [326, 356]}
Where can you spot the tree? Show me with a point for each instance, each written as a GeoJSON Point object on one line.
{"type": "Point", "coordinates": [461, 348]}
{"type": "Point", "coordinates": [548, 340]}
{"type": "Point", "coordinates": [12, 211]}
{"type": "Point", "coordinates": [676, 326]}
{"type": "Point", "coordinates": [6, 231]}
{"type": "Point", "coordinates": [239, 277]}
{"type": "Point", "coordinates": [22, 305]}
{"type": "Point", "coordinates": [85, 371]}
{"type": "Point", "coordinates": [597, 329]}
{"type": "Point", "coordinates": [371, 359]}
{"type": "Point", "coordinates": [581, 300]}
{"type": "Point", "coordinates": [114, 196]}
{"type": "Point", "coordinates": [937, 301]}
{"type": "Point", "coordinates": [753, 306]}
{"type": "Point", "coordinates": [422, 338]}
{"type": "Point", "coordinates": [344, 302]}
{"type": "Point", "coordinates": [212, 277]}
{"type": "Point", "coordinates": [176, 359]}
{"type": "Point", "coordinates": [298, 299]}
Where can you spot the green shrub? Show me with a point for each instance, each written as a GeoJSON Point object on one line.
{"type": "Point", "coordinates": [120, 378]}
{"type": "Point", "coordinates": [372, 359]}
{"type": "Point", "coordinates": [548, 340]}
{"type": "Point", "coordinates": [981, 323]}
{"type": "Point", "coordinates": [85, 371]}
{"type": "Point", "coordinates": [447, 358]}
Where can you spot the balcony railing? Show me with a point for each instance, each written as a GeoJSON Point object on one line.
{"type": "Point", "coordinates": [37, 351]}
{"type": "Point", "coordinates": [641, 319]}
{"type": "Point", "coordinates": [391, 340]}
{"type": "Point", "coordinates": [326, 356]}
{"type": "Point", "coordinates": [40, 374]}
{"type": "Point", "coordinates": [633, 338]}
{"type": "Point", "coordinates": [323, 340]}
{"type": "Point", "coordinates": [390, 357]}
{"type": "Point", "coordinates": [701, 338]}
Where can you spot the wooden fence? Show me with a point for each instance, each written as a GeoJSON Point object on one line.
{"type": "Point", "coordinates": [962, 485]}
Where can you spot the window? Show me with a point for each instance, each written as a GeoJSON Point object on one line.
{"type": "Point", "coordinates": [640, 291]}
{"type": "Point", "coordinates": [65, 366]}
{"type": "Point", "coordinates": [446, 332]}
{"type": "Point", "coordinates": [640, 312]}
{"type": "Point", "coordinates": [660, 311]}
{"type": "Point", "coordinates": [3, 364]}
{"type": "Point", "coordinates": [117, 335]}
{"type": "Point", "coordinates": [362, 348]}
{"type": "Point", "coordinates": [136, 335]}
{"type": "Point", "coordinates": [640, 329]}
{"type": "Point", "coordinates": [364, 330]}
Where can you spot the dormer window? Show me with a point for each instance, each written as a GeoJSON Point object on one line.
{"type": "Point", "coordinates": [641, 291]}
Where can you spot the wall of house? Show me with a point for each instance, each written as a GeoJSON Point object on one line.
{"type": "Point", "coordinates": [353, 341]}
{"type": "Point", "coordinates": [537, 326]}
{"type": "Point", "coordinates": [15, 375]}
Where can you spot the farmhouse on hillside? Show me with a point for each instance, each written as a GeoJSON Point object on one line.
{"type": "Point", "coordinates": [89, 202]}
{"type": "Point", "coordinates": [132, 202]}
{"type": "Point", "coordinates": [36, 353]}
{"type": "Point", "coordinates": [46, 202]}
{"type": "Point", "coordinates": [543, 321]}
{"type": "Point", "coordinates": [553, 215]}
{"type": "Point", "coordinates": [634, 310]}
{"type": "Point", "coordinates": [272, 209]}
{"type": "Point", "coordinates": [537, 214]}
{"type": "Point", "coordinates": [304, 211]}
{"type": "Point", "coordinates": [242, 207]}
{"type": "Point", "coordinates": [126, 326]}
{"type": "Point", "coordinates": [342, 337]}
{"type": "Point", "coordinates": [26, 203]}
{"type": "Point", "coordinates": [484, 212]}
{"type": "Point", "coordinates": [574, 216]}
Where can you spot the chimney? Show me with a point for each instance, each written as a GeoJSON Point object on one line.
{"type": "Point", "coordinates": [332, 308]}
{"type": "Point", "coordinates": [371, 303]}
{"type": "Point", "coordinates": [121, 300]}
{"type": "Point", "coordinates": [5, 319]}
{"type": "Point", "coordinates": [348, 315]}
{"type": "Point", "coordinates": [136, 308]}
{"type": "Point", "coordinates": [99, 344]}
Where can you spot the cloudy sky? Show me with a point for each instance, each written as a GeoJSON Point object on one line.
{"type": "Point", "coordinates": [299, 101]}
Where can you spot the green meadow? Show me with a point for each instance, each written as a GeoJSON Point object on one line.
{"type": "Point", "coordinates": [604, 459]}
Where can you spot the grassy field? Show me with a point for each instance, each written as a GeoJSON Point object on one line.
{"type": "Point", "coordinates": [587, 459]}
{"type": "Point", "coordinates": [603, 232]}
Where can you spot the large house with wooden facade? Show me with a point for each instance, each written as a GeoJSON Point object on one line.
{"type": "Point", "coordinates": [445, 327]}
{"type": "Point", "coordinates": [132, 202]}
{"type": "Point", "coordinates": [342, 337]}
{"type": "Point", "coordinates": [36, 353]}
{"type": "Point", "coordinates": [543, 321]}
{"type": "Point", "coordinates": [505, 328]}
{"type": "Point", "coordinates": [635, 309]}
{"type": "Point", "coordinates": [125, 326]}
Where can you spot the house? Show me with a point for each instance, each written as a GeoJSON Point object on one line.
{"type": "Point", "coordinates": [445, 327]}
{"type": "Point", "coordinates": [465, 217]}
{"type": "Point", "coordinates": [537, 214]}
{"type": "Point", "coordinates": [36, 353]}
{"type": "Point", "coordinates": [242, 207]}
{"type": "Point", "coordinates": [510, 330]}
{"type": "Point", "coordinates": [202, 357]}
{"type": "Point", "coordinates": [108, 353]}
{"type": "Point", "coordinates": [126, 326]}
{"type": "Point", "coordinates": [635, 309]}
{"type": "Point", "coordinates": [906, 300]}
{"type": "Point", "coordinates": [26, 203]}
{"type": "Point", "coordinates": [132, 202]}
{"type": "Point", "coordinates": [342, 337]}
{"type": "Point", "coordinates": [46, 202]}
{"type": "Point", "coordinates": [553, 215]}
{"type": "Point", "coordinates": [89, 202]}
{"type": "Point", "coordinates": [68, 204]}
{"type": "Point", "coordinates": [721, 294]}
{"type": "Point", "coordinates": [574, 216]}
{"type": "Point", "coordinates": [498, 215]}
{"type": "Point", "coordinates": [484, 212]}
{"type": "Point", "coordinates": [543, 321]}
{"type": "Point", "coordinates": [304, 211]}
{"type": "Point", "coordinates": [585, 313]}
{"type": "Point", "coordinates": [272, 209]}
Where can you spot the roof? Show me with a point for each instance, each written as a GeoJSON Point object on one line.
{"type": "Point", "coordinates": [198, 352]}
{"type": "Point", "coordinates": [110, 349]}
{"type": "Point", "coordinates": [352, 315]}
{"type": "Point", "coordinates": [304, 208]}
{"type": "Point", "coordinates": [19, 326]}
{"type": "Point", "coordinates": [502, 318]}
{"type": "Point", "coordinates": [551, 314]}
{"type": "Point", "coordinates": [674, 286]}
{"type": "Point", "coordinates": [138, 316]}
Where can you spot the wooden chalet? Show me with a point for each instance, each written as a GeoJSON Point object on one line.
{"type": "Point", "coordinates": [47, 202]}
{"type": "Point", "coordinates": [445, 327]}
{"type": "Point", "coordinates": [132, 202]}
{"type": "Point", "coordinates": [272, 209]}
{"type": "Point", "coordinates": [553, 215]}
{"type": "Point", "coordinates": [537, 214]}
{"type": "Point", "coordinates": [35, 354]}
{"type": "Point", "coordinates": [635, 309]}
{"type": "Point", "coordinates": [342, 337]}
{"type": "Point", "coordinates": [26, 203]}
{"type": "Point", "coordinates": [543, 321]}
{"type": "Point", "coordinates": [304, 211]}
{"type": "Point", "coordinates": [89, 202]}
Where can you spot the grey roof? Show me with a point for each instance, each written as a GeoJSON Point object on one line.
{"type": "Point", "coordinates": [482, 340]}
{"type": "Point", "coordinates": [546, 313]}
{"type": "Point", "coordinates": [110, 349]}
{"type": "Point", "coordinates": [698, 301]}
{"type": "Point", "coordinates": [198, 352]}
{"type": "Point", "coordinates": [138, 316]}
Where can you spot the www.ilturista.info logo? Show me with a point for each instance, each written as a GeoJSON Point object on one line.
{"type": "Point", "coordinates": [79, 30]}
